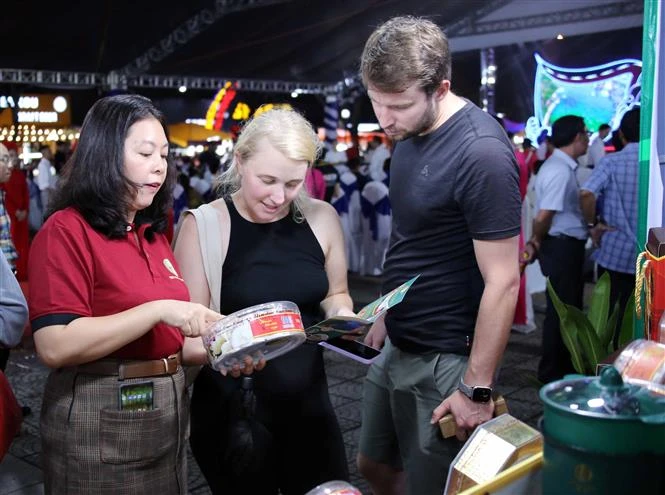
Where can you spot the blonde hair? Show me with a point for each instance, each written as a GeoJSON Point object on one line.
{"type": "Point", "coordinates": [290, 133]}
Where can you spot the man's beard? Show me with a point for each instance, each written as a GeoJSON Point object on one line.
{"type": "Point", "coordinates": [422, 126]}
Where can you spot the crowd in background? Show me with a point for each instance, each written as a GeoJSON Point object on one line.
{"type": "Point", "coordinates": [355, 182]}
{"type": "Point", "coordinates": [339, 177]}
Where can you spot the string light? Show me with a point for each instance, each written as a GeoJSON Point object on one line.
{"type": "Point", "coordinates": [25, 133]}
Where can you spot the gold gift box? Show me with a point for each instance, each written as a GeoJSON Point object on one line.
{"type": "Point", "coordinates": [493, 447]}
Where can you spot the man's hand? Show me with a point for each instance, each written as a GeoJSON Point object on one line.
{"type": "Point", "coordinates": [598, 231]}
{"type": "Point", "coordinates": [21, 215]}
{"type": "Point", "coordinates": [376, 336]}
{"type": "Point", "coordinates": [468, 414]}
{"type": "Point", "coordinates": [528, 254]}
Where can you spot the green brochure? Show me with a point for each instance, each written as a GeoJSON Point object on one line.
{"type": "Point", "coordinates": [360, 324]}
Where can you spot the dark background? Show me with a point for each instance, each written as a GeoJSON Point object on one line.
{"type": "Point", "coordinates": [301, 40]}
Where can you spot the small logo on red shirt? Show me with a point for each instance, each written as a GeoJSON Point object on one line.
{"type": "Point", "coordinates": [169, 266]}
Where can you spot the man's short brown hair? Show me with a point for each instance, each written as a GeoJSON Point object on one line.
{"type": "Point", "coordinates": [403, 51]}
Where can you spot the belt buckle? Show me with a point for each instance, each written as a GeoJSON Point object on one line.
{"type": "Point", "coordinates": [167, 364]}
{"type": "Point", "coordinates": [121, 372]}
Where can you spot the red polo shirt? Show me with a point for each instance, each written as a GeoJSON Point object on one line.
{"type": "Point", "coordinates": [75, 271]}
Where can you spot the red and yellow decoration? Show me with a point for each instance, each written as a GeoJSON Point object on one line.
{"type": "Point", "coordinates": [219, 106]}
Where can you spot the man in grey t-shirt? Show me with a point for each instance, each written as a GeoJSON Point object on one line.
{"type": "Point", "coordinates": [456, 219]}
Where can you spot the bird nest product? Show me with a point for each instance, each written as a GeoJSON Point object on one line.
{"type": "Point", "coordinates": [268, 330]}
{"type": "Point", "coordinates": [334, 488]}
{"type": "Point", "coordinates": [643, 360]}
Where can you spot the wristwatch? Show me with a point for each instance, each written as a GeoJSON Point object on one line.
{"type": "Point", "coordinates": [476, 394]}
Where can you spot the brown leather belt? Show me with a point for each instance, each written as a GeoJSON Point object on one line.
{"type": "Point", "coordinates": [132, 369]}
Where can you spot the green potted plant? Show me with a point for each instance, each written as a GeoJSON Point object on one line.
{"type": "Point", "coordinates": [589, 337]}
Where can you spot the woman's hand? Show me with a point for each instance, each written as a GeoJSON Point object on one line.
{"type": "Point", "coordinates": [345, 312]}
{"type": "Point", "coordinates": [192, 319]}
{"type": "Point", "coordinates": [248, 365]}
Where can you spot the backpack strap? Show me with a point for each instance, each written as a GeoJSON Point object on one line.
{"type": "Point", "coordinates": [213, 225]}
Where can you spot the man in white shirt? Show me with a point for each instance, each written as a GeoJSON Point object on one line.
{"type": "Point", "coordinates": [45, 176]}
{"type": "Point", "coordinates": [597, 146]}
{"type": "Point", "coordinates": [593, 156]}
{"type": "Point", "coordinates": [559, 236]}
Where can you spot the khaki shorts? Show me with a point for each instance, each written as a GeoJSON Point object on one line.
{"type": "Point", "coordinates": [401, 392]}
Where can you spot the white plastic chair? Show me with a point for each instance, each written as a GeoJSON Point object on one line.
{"type": "Point", "coordinates": [377, 220]}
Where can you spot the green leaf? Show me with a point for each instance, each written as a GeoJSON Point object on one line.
{"type": "Point", "coordinates": [626, 333]}
{"type": "Point", "coordinates": [531, 380]}
{"type": "Point", "coordinates": [607, 335]}
{"type": "Point", "coordinates": [568, 330]}
{"type": "Point", "coordinates": [599, 306]}
{"type": "Point", "coordinates": [586, 334]}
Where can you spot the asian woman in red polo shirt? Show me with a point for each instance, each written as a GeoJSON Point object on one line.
{"type": "Point", "coordinates": [110, 312]}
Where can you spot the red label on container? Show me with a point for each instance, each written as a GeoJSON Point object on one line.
{"type": "Point", "coordinates": [647, 363]}
{"type": "Point", "coordinates": [286, 321]}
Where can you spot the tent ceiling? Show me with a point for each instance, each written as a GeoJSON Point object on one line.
{"type": "Point", "coordinates": [293, 40]}
{"type": "Point", "coordinates": [298, 41]}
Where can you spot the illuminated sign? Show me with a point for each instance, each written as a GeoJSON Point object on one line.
{"type": "Point", "coordinates": [601, 94]}
{"type": "Point", "coordinates": [241, 112]}
{"type": "Point", "coordinates": [272, 106]}
{"type": "Point", "coordinates": [218, 108]}
{"type": "Point", "coordinates": [48, 109]}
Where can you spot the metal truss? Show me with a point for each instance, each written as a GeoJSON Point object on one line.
{"type": "Point", "coordinates": [469, 27]}
{"type": "Point", "coordinates": [214, 83]}
{"type": "Point", "coordinates": [488, 71]}
{"type": "Point", "coordinates": [133, 74]}
{"type": "Point", "coordinates": [82, 80]}
{"type": "Point", "coordinates": [186, 31]}
{"type": "Point", "coordinates": [52, 78]}
{"type": "Point", "coordinates": [468, 22]}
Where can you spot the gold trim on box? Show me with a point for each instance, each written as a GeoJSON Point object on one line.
{"type": "Point", "coordinates": [510, 475]}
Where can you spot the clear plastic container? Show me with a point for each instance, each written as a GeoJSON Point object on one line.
{"type": "Point", "coordinates": [265, 330]}
{"type": "Point", "coordinates": [642, 360]}
{"type": "Point", "coordinates": [335, 488]}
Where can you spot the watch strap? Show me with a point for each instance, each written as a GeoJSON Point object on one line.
{"type": "Point", "coordinates": [475, 393]}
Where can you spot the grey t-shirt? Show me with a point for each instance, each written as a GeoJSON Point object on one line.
{"type": "Point", "coordinates": [13, 307]}
{"type": "Point", "coordinates": [456, 184]}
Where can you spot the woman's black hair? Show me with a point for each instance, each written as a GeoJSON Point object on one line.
{"type": "Point", "coordinates": [93, 180]}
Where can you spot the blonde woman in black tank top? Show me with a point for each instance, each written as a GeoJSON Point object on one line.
{"type": "Point", "coordinates": [283, 245]}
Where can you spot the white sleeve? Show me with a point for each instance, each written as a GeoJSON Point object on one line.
{"type": "Point", "coordinates": [550, 189]}
{"type": "Point", "coordinates": [597, 151]}
{"type": "Point", "coordinates": [43, 175]}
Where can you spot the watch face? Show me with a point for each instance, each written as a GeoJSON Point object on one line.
{"type": "Point", "coordinates": [481, 394]}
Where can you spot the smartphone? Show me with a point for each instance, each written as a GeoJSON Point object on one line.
{"type": "Point", "coordinates": [136, 397]}
{"type": "Point", "coordinates": [352, 349]}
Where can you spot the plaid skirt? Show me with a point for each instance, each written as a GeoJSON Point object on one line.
{"type": "Point", "coordinates": [91, 446]}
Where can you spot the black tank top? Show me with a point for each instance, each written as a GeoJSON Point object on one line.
{"type": "Point", "coordinates": [277, 261]}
